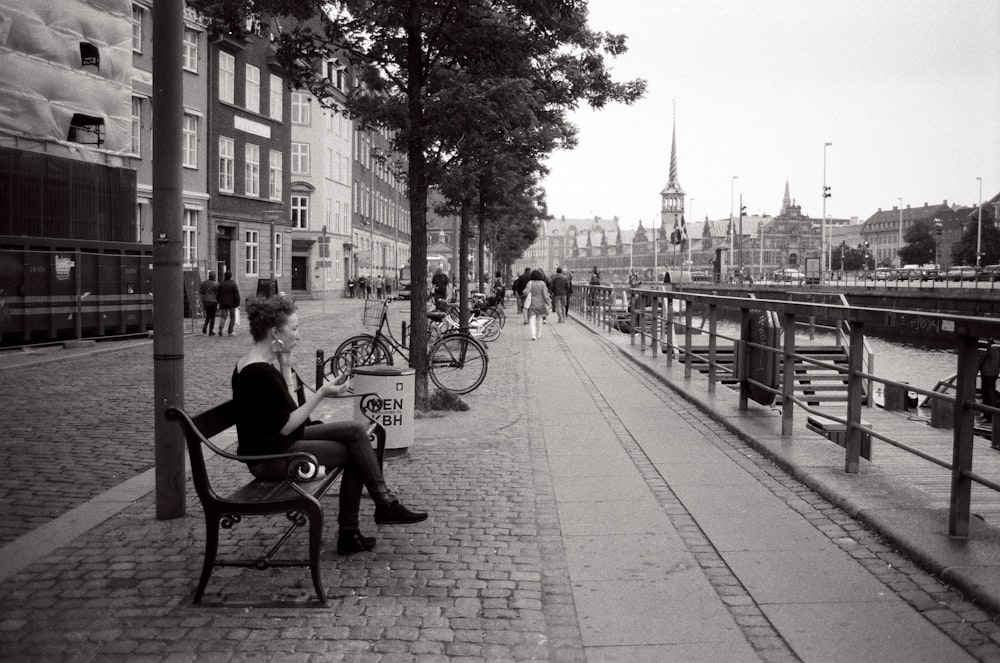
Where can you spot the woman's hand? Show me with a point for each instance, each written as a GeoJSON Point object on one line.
{"type": "Point", "coordinates": [338, 386]}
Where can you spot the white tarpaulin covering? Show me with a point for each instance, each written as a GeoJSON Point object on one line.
{"type": "Point", "coordinates": [43, 82]}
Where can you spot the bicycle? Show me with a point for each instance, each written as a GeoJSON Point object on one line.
{"type": "Point", "coordinates": [480, 306]}
{"type": "Point", "coordinates": [457, 362]}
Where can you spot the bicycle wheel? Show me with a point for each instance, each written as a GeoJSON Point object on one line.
{"type": "Point", "coordinates": [496, 313]}
{"type": "Point", "coordinates": [458, 363]}
{"type": "Point", "coordinates": [490, 330]}
{"type": "Point", "coordinates": [361, 350]}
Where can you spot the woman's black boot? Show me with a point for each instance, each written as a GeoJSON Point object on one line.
{"type": "Point", "coordinates": [395, 513]}
{"type": "Point", "coordinates": [351, 541]}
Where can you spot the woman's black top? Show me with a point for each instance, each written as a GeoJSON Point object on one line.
{"type": "Point", "coordinates": [263, 406]}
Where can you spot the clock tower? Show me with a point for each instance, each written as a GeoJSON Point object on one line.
{"type": "Point", "coordinates": [672, 196]}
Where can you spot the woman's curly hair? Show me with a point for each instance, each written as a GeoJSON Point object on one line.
{"type": "Point", "coordinates": [266, 313]}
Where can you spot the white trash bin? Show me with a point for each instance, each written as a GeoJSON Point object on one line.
{"type": "Point", "coordinates": [392, 408]}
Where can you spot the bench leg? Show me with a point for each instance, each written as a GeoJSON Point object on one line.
{"type": "Point", "coordinates": [211, 548]}
{"type": "Point", "coordinates": [315, 544]}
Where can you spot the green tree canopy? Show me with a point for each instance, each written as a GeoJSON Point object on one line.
{"type": "Point", "coordinates": [919, 245]}
{"type": "Point", "coordinates": [448, 80]}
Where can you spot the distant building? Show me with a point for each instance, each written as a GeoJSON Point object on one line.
{"type": "Point", "coordinates": [249, 179]}
{"type": "Point", "coordinates": [885, 230]}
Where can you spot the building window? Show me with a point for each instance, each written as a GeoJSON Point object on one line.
{"type": "Point", "coordinates": [190, 235]}
{"type": "Point", "coordinates": [275, 175]}
{"type": "Point", "coordinates": [251, 170]}
{"type": "Point", "coordinates": [191, 50]}
{"type": "Point", "coordinates": [253, 89]}
{"type": "Point", "coordinates": [330, 169]}
{"type": "Point", "coordinates": [138, 18]}
{"type": "Point", "coordinates": [300, 158]}
{"type": "Point", "coordinates": [276, 90]}
{"type": "Point", "coordinates": [190, 138]}
{"type": "Point", "coordinates": [227, 77]}
{"type": "Point", "coordinates": [252, 252]}
{"type": "Point", "coordinates": [227, 164]}
{"type": "Point", "coordinates": [300, 212]}
{"type": "Point", "coordinates": [300, 108]}
{"type": "Point", "coordinates": [276, 255]}
{"type": "Point", "coordinates": [136, 146]}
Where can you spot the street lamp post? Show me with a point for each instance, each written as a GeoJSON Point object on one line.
{"type": "Point", "coordinates": [691, 210]}
{"type": "Point", "coordinates": [900, 239]}
{"type": "Point", "coordinates": [824, 248]}
{"type": "Point", "coordinates": [732, 231]}
{"type": "Point", "coordinates": [979, 230]}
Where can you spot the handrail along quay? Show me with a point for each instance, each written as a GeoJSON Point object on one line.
{"type": "Point", "coordinates": [655, 324]}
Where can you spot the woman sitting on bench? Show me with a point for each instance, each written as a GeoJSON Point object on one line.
{"type": "Point", "coordinates": [269, 421]}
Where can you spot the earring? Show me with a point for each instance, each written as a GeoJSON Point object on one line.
{"type": "Point", "coordinates": [280, 347]}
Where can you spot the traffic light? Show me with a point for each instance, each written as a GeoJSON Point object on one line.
{"type": "Point", "coordinates": [939, 227]}
{"type": "Point", "coordinates": [743, 210]}
{"type": "Point", "coordinates": [826, 192]}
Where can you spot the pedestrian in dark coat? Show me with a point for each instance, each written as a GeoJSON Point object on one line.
{"type": "Point", "coordinates": [229, 302]}
{"type": "Point", "coordinates": [208, 291]}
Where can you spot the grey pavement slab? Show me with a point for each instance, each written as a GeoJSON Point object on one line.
{"type": "Point", "coordinates": [627, 556]}
{"type": "Point", "coordinates": [624, 487]}
{"type": "Point", "coordinates": [805, 575]}
{"type": "Point", "coordinates": [638, 612]}
{"type": "Point", "coordinates": [611, 518]}
{"type": "Point", "coordinates": [756, 528]}
{"type": "Point", "coordinates": [704, 652]}
{"type": "Point", "coordinates": [862, 631]}
{"type": "Point", "coordinates": [600, 463]}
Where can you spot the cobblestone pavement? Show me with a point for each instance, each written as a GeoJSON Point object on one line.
{"type": "Point", "coordinates": [484, 579]}
{"type": "Point", "coordinates": [73, 428]}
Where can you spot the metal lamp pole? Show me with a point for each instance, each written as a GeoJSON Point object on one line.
{"type": "Point", "coordinates": [689, 236]}
{"type": "Point", "coordinates": [979, 230]}
{"type": "Point", "coordinates": [825, 256]}
{"type": "Point", "coordinates": [732, 231]}
{"type": "Point", "coordinates": [900, 240]}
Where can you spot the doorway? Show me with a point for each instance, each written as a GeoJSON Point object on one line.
{"type": "Point", "coordinates": [300, 273]}
{"type": "Point", "coordinates": [224, 251]}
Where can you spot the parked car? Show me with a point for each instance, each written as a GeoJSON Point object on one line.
{"type": "Point", "coordinates": [990, 273]}
{"type": "Point", "coordinates": [960, 274]}
{"type": "Point", "coordinates": [789, 274]}
{"type": "Point", "coordinates": [885, 274]}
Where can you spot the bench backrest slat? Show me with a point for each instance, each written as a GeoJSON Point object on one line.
{"type": "Point", "coordinates": [196, 433]}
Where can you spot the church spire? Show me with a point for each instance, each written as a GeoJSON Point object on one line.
{"type": "Point", "coordinates": [673, 186]}
{"type": "Point", "coordinates": [786, 201]}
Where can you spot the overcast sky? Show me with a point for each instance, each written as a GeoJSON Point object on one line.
{"type": "Point", "coordinates": [908, 92]}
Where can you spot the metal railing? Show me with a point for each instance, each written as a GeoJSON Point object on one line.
{"type": "Point", "coordinates": [651, 315]}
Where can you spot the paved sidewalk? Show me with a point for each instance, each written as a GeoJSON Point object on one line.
{"type": "Point", "coordinates": [580, 511]}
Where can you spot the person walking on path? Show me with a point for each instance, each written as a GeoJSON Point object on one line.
{"type": "Point", "coordinates": [520, 283]}
{"type": "Point", "coordinates": [440, 284]}
{"type": "Point", "coordinates": [229, 302]}
{"type": "Point", "coordinates": [350, 287]}
{"type": "Point", "coordinates": [379, 286]}
{"type": "Point", "coordinates": [569, 293]}
{"type": "Point", "coordinates": [559, 286]}
{"type": "Point", "coordinates": [499, 289]}
{"type": "Point", "coordinates": [536, 303]}
{"type": "Point", "coordinates": [208, 291]}
{"type": "Point", "coordinates": [268, 421]}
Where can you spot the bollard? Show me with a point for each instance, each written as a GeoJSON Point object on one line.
{"type": "Point", "coordinates": [895, 398]}
{"type": "Point", "coordinates": [942, 414]}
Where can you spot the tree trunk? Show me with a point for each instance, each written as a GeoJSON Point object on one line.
{"type": "Point", "coordinates": [415, 152]}
{"type": "Point", "coordinates": [463, 262]}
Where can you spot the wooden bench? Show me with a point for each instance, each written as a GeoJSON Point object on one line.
{"type": "Point", "coordinates": [298, 496]}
